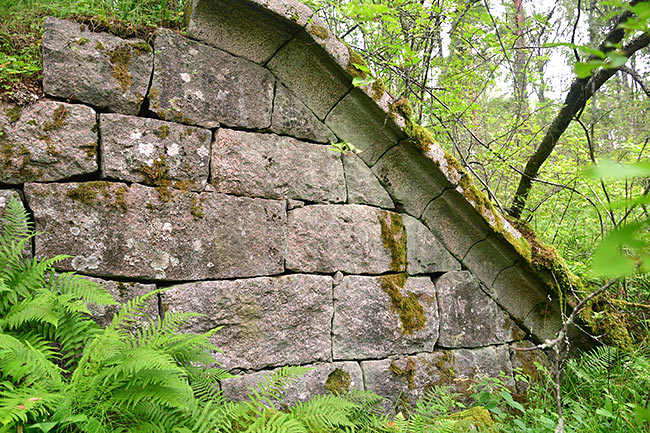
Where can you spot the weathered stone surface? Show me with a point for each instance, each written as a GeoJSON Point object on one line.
{"type": "Point", "coordinates": [304, 66]}
{"type": "Point", "coordinates": [46, 141]}
{"type": "Point", "coordinates": [489, 257]}
{"type": "Point", "coordinates": [151, 151]}
{"type": "Point", "coordinates": [292, 117]}
{"type": "Point", "coordinates": [469, 317]}
{"type": "Point", "coordinates": [254, 30]}
{"type": "Point", "coordinates": [317, 28]}
{"type": "Point", "coordinates": [353, 239]}
{"type": "Point", "coordinates": [410, 179]}
{"type": "Point", "coordinates": [267, 321]}
{"type": "Point", "coordinates": [95, 68]}
{"type": "Point", "coordinates": [321, 380]}
{"type": "Point", "coordinates": [383, 316]}
{"type": "Point", "coordinates": [424, 254]}
{"type": "Point", "coordinates": [363, 186]}
{"type": "Point", "coordinates": [516, 291]}
{"type": "Point", "coordinates": [143, 232]}
{"type": "Point", "coordinates": [197, 84]}
{"type": "Point", "coordinates": [122, 293]}
{"type": "Point", "coordinates": [453, 221]}
{"type": "Point", "coordinates": [272, 166]}
{"type": "Point", "coordinates": [404, 380]}
{"type": "Point", "coordinates": [361, 122]}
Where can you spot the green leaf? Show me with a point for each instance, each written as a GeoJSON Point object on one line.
{"type": "Point", "coordinates": [583, 69]}
{"type": "Point", "coordinates": [607, 169]}
{"type": "Point", "coordinates": [641, 413]}
{"type": "Point", "coordinates": [615, 60]}
{"type": "Point", "coordinates": [359, 81]}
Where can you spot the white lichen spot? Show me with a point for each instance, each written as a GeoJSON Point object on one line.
{"type": "Point", "coordinates": [136, 135]}
{"type": "Point", "coordinates": [197, 245]}
{"type": "Point", "coordinates": [173, 150]}
{"type": "Point", "coordinates": [75, 231]}
{"type": "Point", "coordinates": [173, 261]}
{"type": "Point", "coordinates": [159, 261]}
{"type": "Point", "coordinates": [193, 51]}
{"type": "Point", "coordinates": [81, 263]}
{"type": "Point", "coordinates": [146, 148]}
{"type": "Point", "coordinates": [199, 95]}
{"type": "Point", "coordinates": [3, 201]}
{"type": "Point", "coordinates": [203, 152]}
{"type": "Point", "coordinates": [186, 77]}
{"type": "Point", "coordinates": [167, 227]}
{"type": "Point", "coordinates": [130, 243]}
{"type": "Point", "coordinates": [210, 265]}
{"type": "Point", "coordinates": [221, 95]}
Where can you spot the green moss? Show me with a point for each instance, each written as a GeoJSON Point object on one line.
{"type": "Point", "coordinates": [393, 236]}
{"type": "Point", "coordinates": [378, 89]}
{"type": "Point", "coordinates": [141, 48]}
{"type": "Point", "coordinates": [338, 381]}
{"type": "Point", "coordinates": [409, 308]}
{"type": "Point", "coordinates": [90, 150]}
{"type": "Point", "coordinates": [58, 119]}
{"type": "Point", "coordinates": [420, 137]}
{"type": "Point", "coordinates": [13, 113]}
{"type": "Point", "coordinates": [319, 31]}
{"type": "Point", "coordinates": [408, 372]}
{"type": "Point", "coordinates": [90, 193]}
{"type": "Point", "coordinates": [162, 131]}
{"type": "Point", "coordinates": [472, 419]}
{"type": "Point", "coordinates": [82, 41]}
{"type": "Point", "coordinates": [99, 46]}
{"type": "Point", "coordinates": [122, 289]}
{"type": "Point", "coordinates": [444, 368]}
{"type": "Point", "coordinates": [120, 58]}
{"type": "Point", "coordinates": [197, 209]}
{"type": "Point", "coordinates": [52, 150]}
{"type": "Point", "coordinates": [611, 324]}
{"type": "Point", "coordinates": [404, 108]}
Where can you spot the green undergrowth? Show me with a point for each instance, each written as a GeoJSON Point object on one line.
{"type": "Point", "coordinates": [21, 63]}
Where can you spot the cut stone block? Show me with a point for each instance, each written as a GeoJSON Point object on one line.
{"type": "Point", "coordinates": [410, 179]}
{"type": "Point", "coordinates": [359, 121]}
{"type": "Point", "coordinates": [123, 292]}
{"type": "Point", "coordinates": [339, 52]}
{"type": "Point", "coordinates": [382, 316]}
{"type": "Point", "coordinates": [95, 68]}
{"type": "Point", "coordinates": [405, 380]}
{"type": "Point", "coordinates": [353, 239]}
{"type": "Point", "coordinates": [487, 258]}
{"type": "Point", "coordinates": [254, 30]}
{"type": "Point", "coordinates": [469, 317]}
{"type": "Point", "coordinates": [527, 301]}
{"type": "Point", "coordinates": [46, 141]}
{"type": "Point", "coordinates": [292, 117]}
{"type": "Point", "coordinates": [323, 379]}
{"type": "Point", "coordinates": [363, 186]}
{"type": "Point", "coordinates": [455, 223]}
{"type": "Point", "coordinates": [271, 166]}
{"type": "Point", "coordinates": [303, 66]}
{"type": "Point", "coordinates": [142, 232]}
{"type": "Point", "coordinates": [424, 254]}
{"type": "Point", "coordinates": [267, 321]}
{"type": "Point", "coordinates": [196, 84]}
{"type": "Point", "coordinates": [153, 152]}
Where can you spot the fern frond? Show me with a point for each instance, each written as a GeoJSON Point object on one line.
{"type": "Point", "coordinates": [81, 288]}
{"type": "Point", "coordinates": [17, 224]}
{"type": "Point", "coordinates": [24, 364]}
{"type": "Point", "coordinates": [24, 404]}
{"type": "Point", "coordinates": [132, 311]}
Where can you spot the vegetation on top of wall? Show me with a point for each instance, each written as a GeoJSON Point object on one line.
{"type": "Point", "coordinates": [21, 63]}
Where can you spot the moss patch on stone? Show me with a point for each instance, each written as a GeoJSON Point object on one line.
{"type": "Point", "coordinates": [408, 372]}
{"type": "Point", "coordinates": [421, 137]}
{"type": "Point", "coordinates": [141, 48]}
{"type": "Point", "coordinates": [197, 209]}
{"type": "Point", "coordinates": [338, 381]}
{"type": "Point", "coordinates": [474, 418]}
{"type": "Point", "coordinates": [393, 236]}
{"type": "Point", "coordinates": [120, 58]}
{"type": "Point", "coordinates": [320, 32]}
{"type": "Point", "coordinates": [58, 119]}
{"type": "Point", "coordinates": [404, 108]}
{"type": "Point", "coordinates": [162, 131]}
{"type": "Point", "coordinates": [103, 192]}
{"type": "Point", "coordinates": [409, 308]}
{"type": "Point", "coordinates": [13, 113]}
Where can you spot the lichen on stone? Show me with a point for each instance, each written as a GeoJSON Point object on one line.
{"type": "Point", "coordinates": [408, 372]}
{"type": "Point", "coordinates": [393, 236]}
{"type": "Point", "coordinates": [338, 381]}
{"type": "Point", "coordinates": [410, 310]}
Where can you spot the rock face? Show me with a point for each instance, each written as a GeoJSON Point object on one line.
{"type": "Point", "coordinates": [376, 317]}
{"type": "Point", "coordinates": [47, 141]}
{"type": "Point", "coordinates": [265, 321]}
{"type": "Point", "coordinates": [199, 85]}
{"type": "Point", "coordinates": [154, 152]}
{"type": "Point", "coordinates": [143, 232]}
{"type": "Point", "coordinates": [95, 68]}
{"type": "Point", "coordinates": [266, 165]}
{"type": "Point", "coordinates": [209, 170]}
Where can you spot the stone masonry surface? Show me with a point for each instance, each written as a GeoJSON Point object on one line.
{"type": "Point", "coordinates": [204, 164]}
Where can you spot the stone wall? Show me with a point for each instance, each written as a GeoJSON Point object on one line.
{"type": "Point", "coordinates": [202, 162]}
